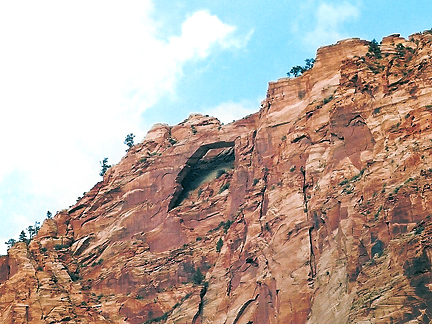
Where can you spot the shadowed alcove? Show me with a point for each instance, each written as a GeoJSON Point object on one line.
{"type": "Point", "coordinates": [204, 165]}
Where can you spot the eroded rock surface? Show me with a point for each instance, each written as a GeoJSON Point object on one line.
{"type": "Point", "coordinates": [316, 209]}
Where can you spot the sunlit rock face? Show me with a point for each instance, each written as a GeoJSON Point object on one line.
{"type": "Point", "coordinates": [315, 209]}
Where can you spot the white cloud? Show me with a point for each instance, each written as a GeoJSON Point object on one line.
{"type": "Point", "coordinates": [329, 23]}
{"type": "Point", "coordinates": [74, 79]}
{"type": "Point", "coordinates": [199, 32]}
{"type": "Point", "coordinates": [229, 111]}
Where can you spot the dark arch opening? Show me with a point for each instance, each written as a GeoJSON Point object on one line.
{"type": "Point", "coordinates": [202, 166]}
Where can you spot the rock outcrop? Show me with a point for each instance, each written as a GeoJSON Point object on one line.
{"type": "Point", "coordinates": [316, 209]}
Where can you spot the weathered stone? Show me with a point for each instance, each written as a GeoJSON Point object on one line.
{"type": "Point", "coordinates": [316, 209]}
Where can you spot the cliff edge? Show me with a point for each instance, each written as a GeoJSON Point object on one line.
{"type": "Point", "coordinates": [315, 209]}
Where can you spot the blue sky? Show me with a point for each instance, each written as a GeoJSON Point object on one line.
{"type": "Point", "coordinates": [77, 77]}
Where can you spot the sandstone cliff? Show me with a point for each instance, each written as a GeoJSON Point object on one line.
{"type": "Point", "coordinates": [316, 209]}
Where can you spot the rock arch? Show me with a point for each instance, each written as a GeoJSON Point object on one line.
{"type": "Point", "coordinates": [191, 163]}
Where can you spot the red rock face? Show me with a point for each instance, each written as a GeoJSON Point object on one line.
{"type": "Point", "coordinates": [316, 209]}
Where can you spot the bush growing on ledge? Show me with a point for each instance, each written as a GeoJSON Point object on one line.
{"type": "Point", "coordinates": [105, 166]}
{"type": "Point", "coordinates": [23, 237]}
{"type": "Point", "coordinates": [299, 70]}
{"type": "Point", "coordinates": [327, 100]}
{"type": "Point", "coordinates": [219, 245]}
{"type": "Point", "coordinates": [99, 262]}
{"type": "Point", "coordinates": [198, 277]}
{"type": "Point", "coordinates": [11, 242]}
{"type": "Point", "coordinates": [227, 225]}
{"type": "Point", "coordinates": [60, 246]}
{"type": "Point", "coordinates": [374, 49]}
{"type": "Point", "coordinates": [74, 276]}
{"type": "Point", "coordinates": [129, 141]}
{"type": "Point", "coordinates": [220, 172]}
{"type": "Point", "coordinates": [224, 187]}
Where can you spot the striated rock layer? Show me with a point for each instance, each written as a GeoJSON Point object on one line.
{"type": "Point", "coordinates": [316, 209]}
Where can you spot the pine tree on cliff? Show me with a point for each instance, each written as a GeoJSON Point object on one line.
{"type": "Point", "coordinates": [299, 70]}
{"type": "Point", "coordinates": [33, 230]}
{"type": "Point", "coordinates": [105, 166]}
{"type": "Point", "coordinates": [129, 141]}
{"type": "Point", "coordinates": [11, 242]}
{"type": "Point", "coordinates": [374, 49]}
{"type": "Point", "coordinates": [23, 237]}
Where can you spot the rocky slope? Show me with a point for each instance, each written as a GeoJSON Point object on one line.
{"type": "Point", "coordinates": [316, 209]}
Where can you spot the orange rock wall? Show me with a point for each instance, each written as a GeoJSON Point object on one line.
{"type": "Point", "coordinates": [324, 218]}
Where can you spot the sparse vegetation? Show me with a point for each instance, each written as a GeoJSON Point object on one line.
{"type": "Point", "coordinates": [224, 187]}
{"type": "Point", "coordinates": [219, 245]}
{"type": "Point", "coordinates": [99, 262]}
{"type": "Point", "coordinates": [400, 50]}
{"type": "Point", "coordinates": [352, 179]}
{"type": "Point", "coordinates": [299, 70]}
{"type": "Point", "coordinates": [74, 276]}
{"type": "Point", "coordinates": [378, 212]}
{"type": "Point", "coordinates": [408, 180]}
{"type": "Point", "coordinates": [61, 246]}
{"type": "Point", "coordinates": [31, 230]}
{"type": "Point", "coordinates": [23, 237]}
{"type": "Point", "coordinates": [396, 190]}
{"type": "Point", "coordinates": [419, 230]}
{"type": "Point", "coordinates": [164, 317]}
{"type": "Point", "coordinates": [11, 242]}
{"type": "Point", "coordinates": [374, 49]}
{"type": "Point", "coordinates": [104, 166]}
{"type": "Point", "coordinates": [327, 100]}
{"type": "Point", "coordinates": [129, 141]}
{"type": "Point", "coordinates": [225, 225]}
{"type": "Point", "coordinates": [198, 277]}
{"type": "Point", "coordinates": [250, 260]}
{"type": "Point", "coordinates": [220, 172]}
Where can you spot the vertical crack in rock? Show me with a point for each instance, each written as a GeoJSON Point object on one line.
{"type": "Point", "coordinates": [243, 308]}
{"type": "Point", "coordinates": [312, 264]}
{"type": "Point", "coordinates": [304, 187]}
{"type": "Point", "coordinates": [263, 193]}
{"type": "Point", "coordinates": [201, 304]}
{"type": "Point", "coordinates": [312, 256]}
